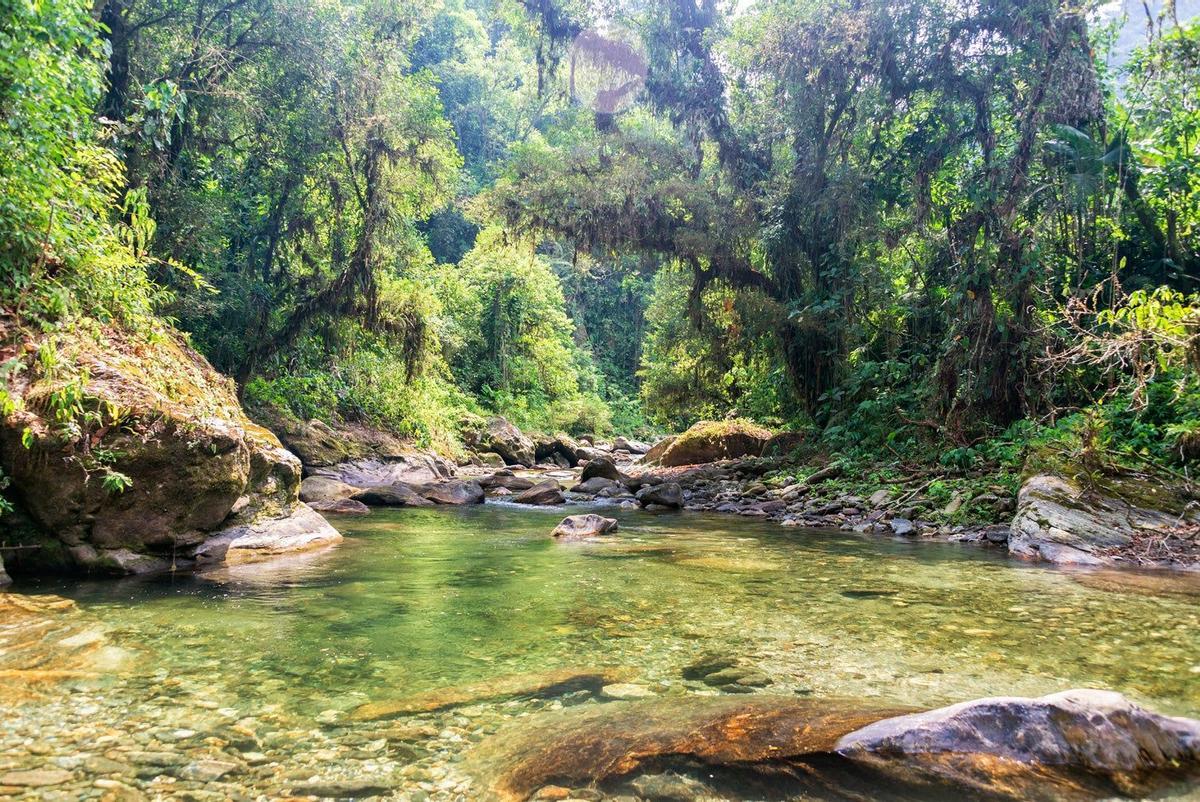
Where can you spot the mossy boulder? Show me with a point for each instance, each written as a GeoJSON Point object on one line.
{"type": "Point", "coordinates": [710, 441]}
{"type": "Point", "coordinates": [127, 452]}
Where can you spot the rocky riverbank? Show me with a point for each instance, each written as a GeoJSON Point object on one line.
{"type": "Point", "coordinates": [126, 453]}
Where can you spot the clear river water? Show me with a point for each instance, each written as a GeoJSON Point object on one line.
{"type": "Point", "coordinates": [278, 654]}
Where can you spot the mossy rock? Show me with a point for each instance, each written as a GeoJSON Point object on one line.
{"type": "Point", "coordinates": [710, 441]}
{"type": "Point", "coordinates": [151, 409]}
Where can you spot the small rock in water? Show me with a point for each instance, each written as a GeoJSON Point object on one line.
{"type": "Point", "coordinates": [626, 690]}
{"type": "Point", "coordinates": [669, 788]}
{"type": "Point", "coordinates": [902, 526]}
{"type": "Point", "coordinates": [345, 788]}
{"type": "Point", "coordinates": [35, 778]}
{"type": "Point", "coordinates": [708, 664]}
{"type": "Point", "coordinates": [745, 677]}
{"type": "Point", "coordinates": [207, 770]}
{"type": "Point", "coordinates": [574, 527]}
{"type": "Point", "coordinates": [867, 594]}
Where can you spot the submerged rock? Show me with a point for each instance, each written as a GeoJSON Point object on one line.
{"type": "Point", "coordinates": [548, 683]}
{"type": "Point", "coordinates": [1070, 745]}
{"type": "Point", "coordinates": [343, 788]}
{"type": "Point", "coordinates": [580, 527]}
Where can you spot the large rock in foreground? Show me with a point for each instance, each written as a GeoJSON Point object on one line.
{"type": "Point", "coordinates": [1060, 521]}
{"type": "Point", "coordinates": [154, 415]}
{"type": "Point", "coordinates": [1079, 744]}
{"type": "Point", "coordinates": [587, 745]}
{"type": "Point", "coordinates": [710, 441]}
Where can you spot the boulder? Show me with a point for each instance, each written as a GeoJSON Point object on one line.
{"type": "Point", "coordinates": [557, 449]}
{"type": "Point", "coordinates": [414, 468]}
{"type": "Point", "coordinates": [506, 479]}
{"type": "Point", "coordinates": [342, 506]}
{"type": "Point", "coordinates": [1078, 745]}
{"type": "Point", "coordinates": [490, 459]}
{"type": "Point", "coordinates": [1047, 748]}
{"type": "Point", "coordinates": [601, 466]}
{"type": "Point", "coordinates": [1059, 521]}
{"type": "Point", "coordinates": [501, 437]}
{"type": "Point", "coordinates": [397, 495]}
{"type": "Point", "coordinates": [656, 451]}
{"type": "Point", "coordinates": [632, 446]}
{"type": "Point", "coordinates": [710, 441]}
{"type": "Point", "coordinates": [666, 494]}
{"type": "Point", "coordinates": [595, 485]}
{"type": "Point", "coordinates": [322, 488]}
{"type": "Point", "coordinates": [197, 468]}
{"type": "Point", "coordinates": [545, 492]}
{"type": "Point", "coordinates": [581, 527]}
{"type": "Point", "coordinates": [592, 744]}
{"type": "Point", "coordinates": [5, 579]}
{"type": "Point", "coordinates": [456, 492]}
{"type": "Point", "coordinates": [303, 530]}
{"type": "Point", "coordinates": [589, 453]}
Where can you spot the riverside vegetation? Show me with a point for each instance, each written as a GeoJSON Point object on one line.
{"type": "Point", "coordinates": [858, 342]}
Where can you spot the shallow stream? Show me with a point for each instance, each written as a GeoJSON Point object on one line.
{"type": "Point", "coordinates": [416, 600]}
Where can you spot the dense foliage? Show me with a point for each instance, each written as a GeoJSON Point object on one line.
{"type": "Point", "coordinates": [929, 227]}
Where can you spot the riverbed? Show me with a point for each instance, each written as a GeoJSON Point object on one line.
{"type": "Point", "coordinates": [261, 668]}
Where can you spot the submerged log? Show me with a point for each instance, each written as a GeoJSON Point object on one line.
{"type": "Point", "coordinates": [547, 683]}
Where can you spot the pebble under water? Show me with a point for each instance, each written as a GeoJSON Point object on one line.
{"type": "Point", "coordinates": [240, 684]}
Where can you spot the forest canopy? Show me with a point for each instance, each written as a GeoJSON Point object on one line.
{"type": "Point", "coordinates": [928, 226]}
